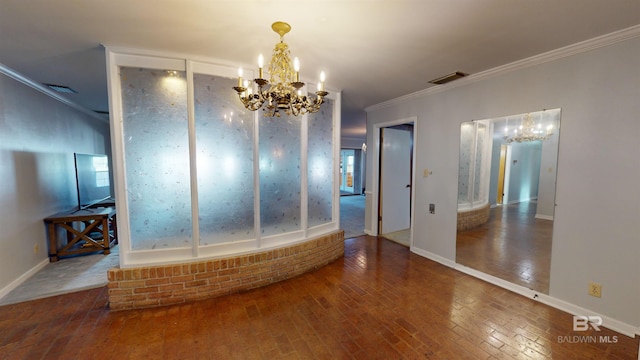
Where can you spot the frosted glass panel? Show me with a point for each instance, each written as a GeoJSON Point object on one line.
{"type": "Point", "coordinates": [279, 174]}
{"type": "Point", "coordinates": [156, 153]}
{"type": "Point", "coordinates": [475, 163]}
{"type": "Point", "coordinates": [320, 165]}
{"type": "Point", "coordinates": [467, 137]}
{"type": "Point", "coordinates": [480, 155]}
{"type": "Point", "coordinates": [224, 153]}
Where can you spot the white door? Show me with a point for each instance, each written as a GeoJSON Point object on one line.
{"type": "Point", "coordinates": [395, 180]}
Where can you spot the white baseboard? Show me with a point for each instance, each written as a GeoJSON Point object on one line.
{"type": "Point", "coordinates": [431, 256]}
{"type": "Point", "coordinates": [17, 282]}
{"type": "Point", "coordinates": [562, 305]}
{"type": "Point", "coordinates": [544, 217]}
{"type": "Point", "coordinates": [610, 323]}
{"type": "Point", "coordinates": [369, 232]}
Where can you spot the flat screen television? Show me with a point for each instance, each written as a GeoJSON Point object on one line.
{"type": "Point", "coordinates": [92, 179]}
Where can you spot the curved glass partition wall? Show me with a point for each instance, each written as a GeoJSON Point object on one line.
{"type": "Point", "coordinates": [475, 164]}
{"type": "Point", "coordinates": [199, 176]}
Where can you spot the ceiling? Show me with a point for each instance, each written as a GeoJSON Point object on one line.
{"type": "Point", "coordinates": [373, 50]}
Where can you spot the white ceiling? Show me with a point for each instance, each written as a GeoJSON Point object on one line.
{"type": "Point", "coordinates": [374, 50]}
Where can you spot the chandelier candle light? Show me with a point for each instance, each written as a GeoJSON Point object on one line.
{"type": "Point", "coordinates": [528, 131]}
{"type": "Point", "coordinates": [282, 91]}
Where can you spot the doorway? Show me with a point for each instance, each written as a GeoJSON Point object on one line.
{"type": "Point", "coordinates": [347, 161]}
{"type": "Point", "coordinates": [351, 171]}
{"type": "Point", "coordinates": [395, 182]}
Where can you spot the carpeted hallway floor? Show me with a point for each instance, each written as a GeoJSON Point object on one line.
{"type": "Point", "coordinates": [352, 215]}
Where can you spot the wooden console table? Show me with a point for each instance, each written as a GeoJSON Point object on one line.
{"type": "Point", "coordinates": [92, 221]}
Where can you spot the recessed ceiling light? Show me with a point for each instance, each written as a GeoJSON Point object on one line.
{"type": "Point", "coordinates": [61, 89]}
{"type": "Point", "coordinates": [447, 78]}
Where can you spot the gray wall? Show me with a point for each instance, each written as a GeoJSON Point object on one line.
{"type": "Point", "coordinates": [545, 208]}
{"type": "Point", "coordinates": [524, 170]}
{"type": "Point", "coordinates": [596, 223]}
{"type": "Point", "coordinates": [38, 136]}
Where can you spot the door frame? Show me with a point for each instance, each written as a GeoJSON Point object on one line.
{"type": "Point", "coordinates": [502, 166]}
{"type": "Point", "coordinates": [375, 191]}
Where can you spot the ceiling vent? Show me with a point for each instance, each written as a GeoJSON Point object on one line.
{"type": "Point", "coordinates": [448, 78]}
{"type": "Point", "coordinates": [61, 89]}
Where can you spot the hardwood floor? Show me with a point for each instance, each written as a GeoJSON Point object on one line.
{"type": "Point", "coordinates": [513, 245]}
{"type": "Point", "coordinates": [378, 302]}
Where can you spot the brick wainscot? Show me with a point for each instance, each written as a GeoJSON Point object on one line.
{"type": "Point", "coordinates": [158, 285]}
{"type": "Point", "coordinates": [470, 219]}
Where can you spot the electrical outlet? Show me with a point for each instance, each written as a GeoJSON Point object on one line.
{"type": "Point", "coordinates": [595, 289]}
{"type": "Point", "coordinates": [36, 248]}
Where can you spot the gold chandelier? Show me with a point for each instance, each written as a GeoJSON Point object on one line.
{"type": "Point", "coordinates": [282, 92]}
{"type": "Point", "coordinates": [528, 131]}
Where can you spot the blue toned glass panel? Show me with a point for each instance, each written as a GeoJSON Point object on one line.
{"type": "Point", "coordinates": [320, 166]}
{"type": "Point", "coordinates": [467, 143]}
{"type": "Point", "coordinates": [224, 157]}
{"type": "Point", "coordinates": [280, 180]}
{"type": "Point", "coordinates": [479, 170]}
{"type": "Point", "coordinates": [156, 154]}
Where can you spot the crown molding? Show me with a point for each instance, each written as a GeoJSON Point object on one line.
{"type": "Point", "coordinates": [45, 90]}
{"type": "Point", "coordinates": [570, 50]}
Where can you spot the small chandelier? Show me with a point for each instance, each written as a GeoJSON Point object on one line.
{"type": "Point", "coordinates": [282, 91]}
{"type": "Point", "coordinates": [528, 131]}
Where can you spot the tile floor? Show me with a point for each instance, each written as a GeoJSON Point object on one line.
{"type": "Point", "coordinates": [64, 276]}
{"type": "Point", "coordinates": [402, 237]}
